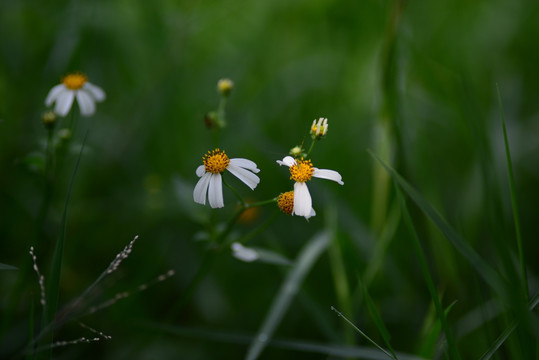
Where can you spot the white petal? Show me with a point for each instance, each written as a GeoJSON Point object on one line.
{"type": "Point", "coordinates": [244, 253]}
{"type": "Point", "coordinates": [201, 170]}
{"type": "Point", "coordinates": [95, 91]}
{"type": "Point", "coordinates": [215, 193]}
{"type": "Point", "coordinates": [328, 174]}
{"type": "Point", "coordinates": [86, 103]}
{"type": "Point", "coordinates": [245, 163]}
{"type": "Point", "coordinates": [288, 161]}
{"type": "Point", "coordinates": [54, 93]}
{"type": "Point", "coordinates": [201, 188]}
{"type": "Point", "coordinates": [302, 200]}
{"type": "Point", "coordinates": [247, 177]}
{"type": "Point", "coordinates": [64, 102]}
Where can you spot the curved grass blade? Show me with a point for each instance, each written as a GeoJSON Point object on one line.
{"type": "Point", "coordinates": [340, 351]}
{"type": "Point", "coordinates": [379, 324]}
{"type": "Point", "coordinates": [501, 339]}
{"type": "Point", "coordinates": [428, 277]}
{"type": "Point", "coordinates": [490, 276]}
{"type": "Point", "coordinates": [514, 205]}
{"type": "Point", "coordinates": [56, 270]}
{"type": "Point", "coordinates": [290, 286]}
{"type": "Point", "coordinates": [7, 267]}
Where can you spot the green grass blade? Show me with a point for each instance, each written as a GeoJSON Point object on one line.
{"type": "Point", "coordinates": [54, 285]}
{"type": "Point", "coordinates": [290, 286]}
{"type": "Point", "coordinates": [427, 276]}
{"type": "Point", "coordinates": [490, 276]}
{"type": "Point", "coordinates": [508, 331]}
{"type": "Point", "coordinates": [7, 267]}
{"type": "Point", "coordinates": [391, 356]}
{"type": "Point", "coordinates": [514, 204]}
{"type": "Point", "coordinates": [377, 319]}
{"type": "Point", "coordinates": [339, 351]}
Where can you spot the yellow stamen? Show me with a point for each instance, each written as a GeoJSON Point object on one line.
{"type": "Point", "coordinates": [74, 81]}
{"type": "Point", "coordinates": [215, 161]}
{"type": "Point", "coordinates": [285, 202]}
{"type": "Point", "coordinates": [302, 171]}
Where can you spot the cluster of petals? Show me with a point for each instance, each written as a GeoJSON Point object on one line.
{"type": "Point", "coordinates": [63, 96]}
{"type": "Point", "coordinates": [210, 184]}
{"type": "Point", "coordinates": [302, 197]}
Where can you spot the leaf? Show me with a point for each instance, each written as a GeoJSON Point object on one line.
{"type": "Point", "coordinates": [7, 267]}
{"type": "Point", "coordinates": [290, 286]}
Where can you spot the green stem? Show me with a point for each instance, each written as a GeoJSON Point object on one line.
{"type": "Point", "coordinates": [242, 203]}
{"type": "Point", "coordinates": [311, 148]}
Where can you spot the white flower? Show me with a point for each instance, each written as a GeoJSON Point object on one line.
{"type": "Point", "coordinates": [285, 201]}
{"type": "Point", "coordinates": [244, 253]}
{"type": "Point", "coordinates": [216, 162]}
{"type": "Point", "coordinates": [301, 171]}
{"type": "Point", "coordinates": [73, 86]}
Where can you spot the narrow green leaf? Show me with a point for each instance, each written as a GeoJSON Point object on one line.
{"type": "Point", "coordinates": [514, 204]}
{"type": "Point", "coordinates": [340, 351]}
{"type": "Point", "coordinates": [290, 286]}
{"type": "Point", "coordinates": [490, 276]}
{"type": "Point", "coordinates": [427, 276]}
{"type": "Point", "coordinates": [375, 315]}
{"type": "Point", "coordinates": [508, 331]}
{"type": "Point", "coordinates": [54, 286]}
{"type": "Point", "coordinates": [7, 267]}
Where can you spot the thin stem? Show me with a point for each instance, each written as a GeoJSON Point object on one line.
{"type": "Point", "coordinates": [311, 148]}
{"type": "Point", "coordinates": [242, 203]}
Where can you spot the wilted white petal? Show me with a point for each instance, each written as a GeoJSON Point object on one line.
{"type": "Point", "coordinates": [64, 102]}
{"type": "Point", "coordinates": [328, 174]}
{"type": "Point", "coordinates": [215, 192]}
{"type": "Point", "coordinates": [95, 91]}
{"type": "Point", "coordinates": [86, 103]}
{"type": "Point", "coordinates": [201, 189]}
{"type": "Point", "coordinates": [201, 170]}
{"type": "Point", "coordinates": [54, 93]}
{"type": "Point", "coordinates": [245, 163]}
{"type": "Point", "coordinates": [243, 253]}
{"type": "Point", "coordinates": [302, 200]}
{"type": "Point", "coordinates": [247, 177]}
{"type": "Point", "coordinates": [288, 161]}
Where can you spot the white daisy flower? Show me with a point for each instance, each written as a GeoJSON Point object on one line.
{"type": "Point", "coordinates": [301, 171]}
{"type": "Point", "coordinates": [319, 129]}
{"type": "Point", "coordinates": [216, 162]}
{"type": "Point", "coordinates": [73, 86]}
{"type": "Point", "coordinates": [285, 201]}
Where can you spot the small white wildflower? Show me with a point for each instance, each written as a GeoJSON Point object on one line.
{"type": "Point", "coordinates": [302, 171]}
{"type": "Point", "coordinates": [210, 183]}
{"type": "Point", "coordinates": [73, 86]}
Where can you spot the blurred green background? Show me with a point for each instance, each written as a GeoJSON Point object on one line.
{"type": "Point", "coordinates": [418, 78]}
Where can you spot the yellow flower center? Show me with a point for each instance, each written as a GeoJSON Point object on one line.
{"type": "Point", "coordinates": [215, 161]}
{"type": "Point", "coordinates": [74, 81]}
{"type": "Point", "coordinates": [285, 202]}
{"type": "Point", "coordinates": [302, 171]}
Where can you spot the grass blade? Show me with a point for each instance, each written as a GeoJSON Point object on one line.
{"type": "Point", "coordinates": [54, 287]}
{"type": "Point", "coordinates": [503, 336]}
{"type": "Point", "coordinates": [7, 267]}
{"type": "Point", "coordinates": [290, 286]}
{"type": "Point", "coordinates": [428, 277]}
{"type": "Point", "coordinates": [490, 276]}
{"type": "Point", "coordinates": [516, 216]}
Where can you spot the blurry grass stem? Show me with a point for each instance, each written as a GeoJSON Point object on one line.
{"type": "Point", "coordinates": [290, 286]}
{"type": "Point", "coordinates": [452, 348]}
{"type": "Point", "coordinates": [514, 204]}
{"type": "Point", "coordinates": [54, 285]}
